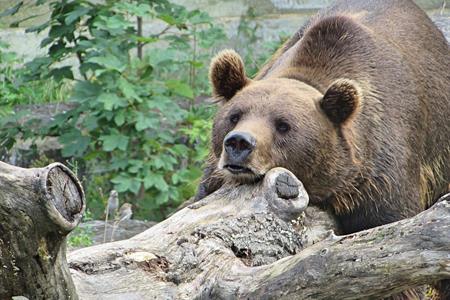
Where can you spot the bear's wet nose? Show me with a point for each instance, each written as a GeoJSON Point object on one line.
{"type": "Point", "coordinates": [239, 145]}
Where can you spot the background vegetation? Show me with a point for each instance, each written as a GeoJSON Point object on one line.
{"type": "Point", "coordinates": [136, 119]}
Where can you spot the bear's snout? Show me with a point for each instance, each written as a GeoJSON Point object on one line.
{"type": "Point", "coordinates": [238, 146]}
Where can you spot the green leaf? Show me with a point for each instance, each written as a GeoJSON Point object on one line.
{"type": "Point", "coordinates": [163, 161]}
{"type": "Point", "coordinates": [90, 122]}
{"type": "Point", "coordinates": [166, 136]}
{"type": "Point", "coordinates": [59, 120]}
{"type": "Point", "coordinates": [187, 175]}
{"type": "Point", "coordinates": [45, 42]}
{"type": "Point", "coordinates": [39, 64]}
{"type": "Point", "coordinates": [124, 183]}
{"type": "Point", "coordinates": [116, 22]}
{"type": "Point", "coordinates": [85, 91]}
{"type": "Point", "coordinates": [128, 90]}
{"type": "Point", "coordinates": [135, 165]}
{"type": "Point", "coordinates": [37, 28]}
{"type": "Point", "coordinates": [114, 141]}
{"type": "Point", "coordinates": [74, 144]}
{"type": "Point", "coordinates": [139, 10]}
{"type": "Point", "coordinates": [76, 14]}
{"type": "Point", "coordinates": [157, 181]}
{"type": "Point", "coordinates": [162, 198]}
{"type": "Point", "coordinates": [119, 118]}
{"type": "Point", "coordinates": [143, 122]}
{"type": "Point", "coordinates": [111, 101]}
{"type": "Point", "coordinates": [179, 149]}
{"type": "Point", "coordinates": [115, 25]}
{"type": "Point", "coordinates": [12, 10]}
{"type": "Point", "coordinates": [109, 61]}
{"type": "Point", "coordinates": [180, 88]}
{"type": "Point", "coordinates": [168, 19]}
{"type": "Point", "coordinates": [57, 31]}
{"type": "Point", "coordinates": [61, 73]}
{"type": "Point", "coordinates": [197, 17]}
{"type": "Point", "coordinates": [118, 163]}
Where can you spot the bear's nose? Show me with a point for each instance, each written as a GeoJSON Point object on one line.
{"type": "Point", "coordinates": [239, 145]}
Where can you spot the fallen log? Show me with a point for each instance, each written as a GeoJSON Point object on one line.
{"type": "Point", "coordinates": [38, 208]}
{"type": "Point", "coordinates": [242, 242]}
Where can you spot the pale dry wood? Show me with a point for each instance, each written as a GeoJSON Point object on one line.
{"type": "Point", "coordinates": [38, 208]}
{"type": "Point", "coordinates": [240, 243]}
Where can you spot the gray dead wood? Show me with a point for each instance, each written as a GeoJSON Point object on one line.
{"type": "Point", "coordinates": [38, 208]}
{"type": "Point", "coordinates": [241, 243]}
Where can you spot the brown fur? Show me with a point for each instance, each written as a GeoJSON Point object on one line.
{"type": "Point", "coordinates": [365, 89]}
{"type": "Point", "coordinates": [341, 101]}
{"type": "Point", "coordinates": [227, 74]}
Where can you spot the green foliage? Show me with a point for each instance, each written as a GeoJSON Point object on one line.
{"type": "Point", "coordinates": [137, 125]}
{"type": "Point", "coordinates": [15, 90]}
{"type": "Point", "coordinates": [80, 237]}
{"type": "Point", "coordinates": [8, 91]}
{"type": "Point", "coordinates": [97, 187]}
{"type": "Point", "coordinates": [134, 120]}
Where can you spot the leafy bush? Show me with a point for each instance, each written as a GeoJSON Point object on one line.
{"type": "Point", "coordinates": [135, 119]}
{"type": "Point", "coordinates": [14, 90]}
{"type": "Point", "coordinates": [137, 125]}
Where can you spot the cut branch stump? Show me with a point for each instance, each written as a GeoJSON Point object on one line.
{"type": "Point", "coordinates": [38, 208]}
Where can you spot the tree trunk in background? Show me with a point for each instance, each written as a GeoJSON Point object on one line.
{"type": "Point", "coordinates": [38, 208]}
{"type": "Point", "coordinates": [242, 242]}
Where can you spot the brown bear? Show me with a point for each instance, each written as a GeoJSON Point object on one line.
{"type": "Point", "coordinates": [356, 104]}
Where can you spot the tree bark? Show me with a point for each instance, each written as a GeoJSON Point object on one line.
{"type": "Point", "coordinates": [242, 242]}
{"type": "Point", "coordinates": [38, 208]}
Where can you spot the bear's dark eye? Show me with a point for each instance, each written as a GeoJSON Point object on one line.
{"type": "Point", "coordinates": [234, 118]}
{"type": "Point", "coordinates": [282, 126]}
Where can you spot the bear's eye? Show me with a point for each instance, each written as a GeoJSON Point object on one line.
{"type": "Point", "coordinates": [234, 118]}
{"type": "Point", "coordinates": [282, 126]}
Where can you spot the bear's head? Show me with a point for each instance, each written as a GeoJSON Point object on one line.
{"type": "Point", "coordinates": [282, 122]}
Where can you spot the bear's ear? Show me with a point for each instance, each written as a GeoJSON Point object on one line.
{"type": "Point", "coordinates": [341, 100]}
{"type": "Point", "coordinates": [227, 74]}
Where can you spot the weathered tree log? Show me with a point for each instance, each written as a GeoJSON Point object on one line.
{"type": "Point", "coordinates": [240, 243]}
{"type": "Point", "coordinates": [38, 208]}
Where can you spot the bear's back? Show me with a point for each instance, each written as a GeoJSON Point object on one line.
{"type": "Point", "coordinates": [423, 49]}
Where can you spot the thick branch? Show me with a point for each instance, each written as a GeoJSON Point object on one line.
{"type": "Point", "coordinates": [38, 208]}
{"type": "Point", "coordinates": [240, 242]}
{"type": "Point", "coordinates": [374, 263]}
